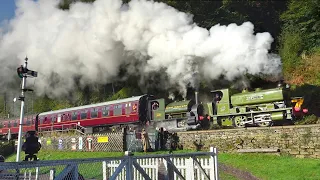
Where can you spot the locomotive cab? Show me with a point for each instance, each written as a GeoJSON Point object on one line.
{"type": "Point", "coordinates": [156, 109]}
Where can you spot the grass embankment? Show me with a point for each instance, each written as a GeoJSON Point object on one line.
{"type": "Point", "coordinates": [62, 155]}
{"type": "Point", "coordinates": [272, 167]}
{"type": "Point", "coordinates": [262, 166]}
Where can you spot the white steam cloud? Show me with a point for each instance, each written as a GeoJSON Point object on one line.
{"type": "Point", "coordinates": [90, 42]}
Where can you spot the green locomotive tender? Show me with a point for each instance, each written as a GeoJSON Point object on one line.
{"type": "Point", "coordinates": [259, 107]}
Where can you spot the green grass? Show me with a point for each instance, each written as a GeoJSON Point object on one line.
{"type": "Point", "coordinates": [274, 167]}
{"type": "Point", "coordinates": [262, 166]}
{"type": "Point", "coordinates": [61, 155]}
{"type": "Point", "coordinates": [86, 169]}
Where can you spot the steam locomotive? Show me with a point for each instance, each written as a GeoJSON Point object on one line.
{"type": "Point", "coordinates": [260, 107]}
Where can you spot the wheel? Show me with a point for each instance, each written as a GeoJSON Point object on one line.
{"type": "Point", "coordinates": [237, 121]}
{"type": "Point", "coordinates": [264, 124]}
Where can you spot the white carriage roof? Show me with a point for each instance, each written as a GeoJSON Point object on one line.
{"type": "Point", "coordinates": [134, 98]}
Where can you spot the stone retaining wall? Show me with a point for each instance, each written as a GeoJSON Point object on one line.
{"type": "Point", "coordinates": [300, 141]}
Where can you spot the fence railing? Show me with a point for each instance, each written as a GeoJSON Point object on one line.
{"type": "Point", "coordinates": [61, 128]}
{"type": "Point", "coordinates": [198, 165]}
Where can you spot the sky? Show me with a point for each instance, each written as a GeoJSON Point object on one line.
{"type": "Point", "coordinates": [7, 8]}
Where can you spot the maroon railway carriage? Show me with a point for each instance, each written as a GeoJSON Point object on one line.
{"type": "Point", "coordinates": [12, 125]}
{"type": "Point", "coordinates": [132, 110]}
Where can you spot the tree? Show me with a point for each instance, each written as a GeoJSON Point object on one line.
{"type": "Point", "coordinates": [300, 36]}
{"type": "Point", "coordinates": [303, 17]}
{"type": "Point", "coordinates": [65, 4]}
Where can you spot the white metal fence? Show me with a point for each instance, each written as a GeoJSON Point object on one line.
{"type": "Point", "coordinates": [189, 166]}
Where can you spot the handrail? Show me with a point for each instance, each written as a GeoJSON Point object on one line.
{"type": "Point", "coordinates": [54, 127]}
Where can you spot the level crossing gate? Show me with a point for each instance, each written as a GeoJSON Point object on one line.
{"type": "Point", "coordinates": [188, 166]}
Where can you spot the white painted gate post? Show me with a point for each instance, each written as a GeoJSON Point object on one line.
{"type": "Point", "coordinates": [104, 170]}
{"type": "Point", "coordinates": [189, 169]}
{"type": "Point", "coordinates": [214, 163]}
{"type": "Point", "coordinates": [52, 174]}
{"type": "Point", "coordinates": [37, 173]}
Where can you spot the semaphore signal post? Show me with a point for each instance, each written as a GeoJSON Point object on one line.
{"type": "Point", "coordinates": [23, 72]}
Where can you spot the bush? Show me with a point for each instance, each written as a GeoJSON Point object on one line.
{"type": "Point", "coordinates": [311, 119]}
{"type": "Point", "coordinates": [7, 148]}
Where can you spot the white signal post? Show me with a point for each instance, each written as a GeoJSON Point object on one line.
{"type": "Point", "coordinates": [23, 87]}
{"type": "Point", "coordinates": [23, 73]}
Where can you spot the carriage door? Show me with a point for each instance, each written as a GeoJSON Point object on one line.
{"type": "Point", "coordinates": [59, 118]}
{"type": "Point", "coordinates": [157, 109]}
{"type": "Point", "coordinates": [128, 109]}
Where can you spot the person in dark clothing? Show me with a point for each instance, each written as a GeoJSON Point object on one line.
{"type": "Point", "coordinates": [31, 146]}
{"type": "Point", "coordinates": [161, 139]}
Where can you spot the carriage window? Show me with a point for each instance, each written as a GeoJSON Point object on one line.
{"type": "Point", "coordinates": [94, 112]}
{"type": "Point", "coordinates": [65, 117]}
{"type": "Point", "coordinates": [1, 125]}
{"type": "Point", "coordinates": [74, 115]}
{"type": "Point", "coordinates": [53, 119]}
{"type": "Point", "coordinates": [118, 106]}
{"type": "Point", "coordinates": [9, 124]}
{"type": "Point", "coordinates": [84, 114]}
{"type": "Point", "coordinates": [28, 122]}
{"type": "Point", "coordinates": [41, 120]}
{"type": "Point", "coordinates": [15, 124]}
{"type": "Point", "coordinates": [117, 109]}
{"type": "Point", "coordinates": [105, 111]}
{"type": "Point", "coordinates": [134, 107]}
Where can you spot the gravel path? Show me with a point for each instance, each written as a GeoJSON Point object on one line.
{"type": "Point", "coordinates": [239, 174]}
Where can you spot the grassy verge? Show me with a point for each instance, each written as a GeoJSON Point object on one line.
{"type": "Point", "coordinates": [274, 167]}
{"type": "Point", "coordinates": [262, 166]}
{"type": "Point", "coordinates": [61, 155]}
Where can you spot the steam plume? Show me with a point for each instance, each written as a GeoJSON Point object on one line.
{"type": "Point", "coordinates": [90, 42]}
